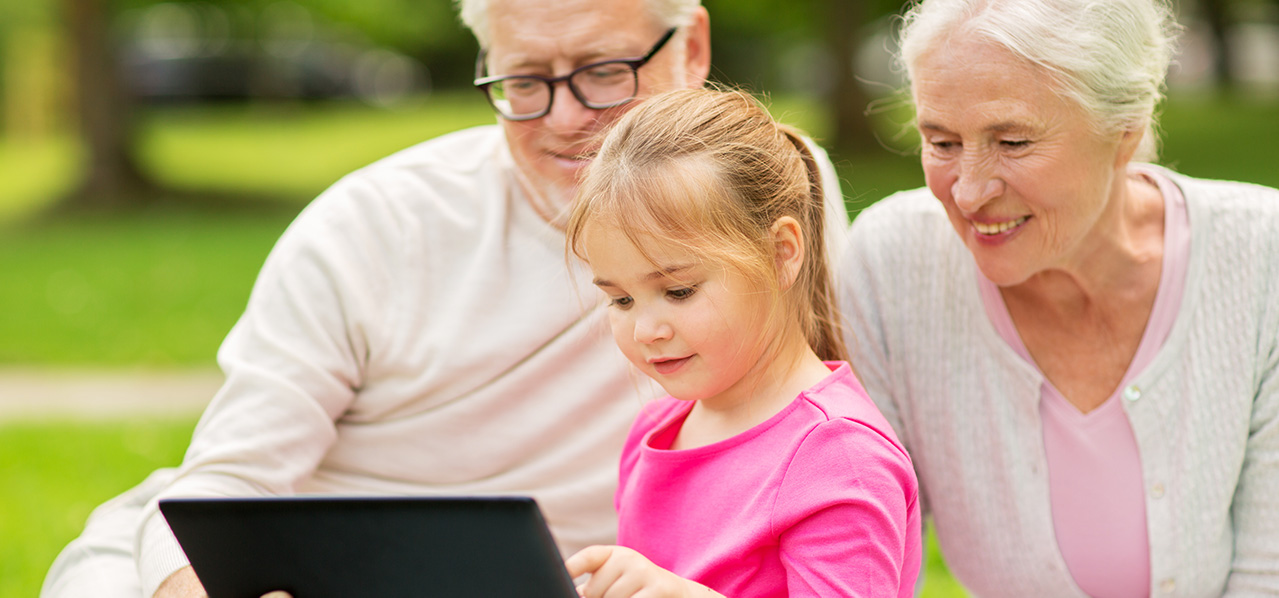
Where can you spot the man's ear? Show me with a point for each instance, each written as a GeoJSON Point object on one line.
{"type": "Point", "coordinates": [697, 49]}
{"type": "Point", "coordinates": [788, 249]}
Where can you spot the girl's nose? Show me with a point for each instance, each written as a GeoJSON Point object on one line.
{"type": "Point", "coordinates": [650, 328]}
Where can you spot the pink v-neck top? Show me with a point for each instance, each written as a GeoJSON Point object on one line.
{"type": "Point", "coordinates": [818, 501]}
{"type": "Point", "coordinates": [1094, 467]}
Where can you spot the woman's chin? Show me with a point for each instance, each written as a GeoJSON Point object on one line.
{"type": "Point", "coordinates": [1001, 273]}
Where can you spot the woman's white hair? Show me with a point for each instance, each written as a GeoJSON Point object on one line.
{"type": "Point", "coordinates": [669, 13]}
{"type": "Point", "coordinates": [1109, 56]}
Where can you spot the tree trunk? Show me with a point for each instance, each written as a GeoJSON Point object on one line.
{"type": "Point", "coordinates": [845, 21]}
{"type": "Point", "coordinates": [103, 107]}
{"type": "Point", "coordinates": [1214, 14]}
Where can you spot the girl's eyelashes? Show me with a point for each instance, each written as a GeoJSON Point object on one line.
{"type": "Point", "coordinates": [681, 293]}
{"type": "Point", "coordinates": [675, 294]}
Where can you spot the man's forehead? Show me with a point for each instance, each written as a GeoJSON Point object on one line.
{"type": "Point", "coordinates": [538, 31]}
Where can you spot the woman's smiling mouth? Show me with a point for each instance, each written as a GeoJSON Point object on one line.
{"type": "Point", "coordinates": [995, 228]}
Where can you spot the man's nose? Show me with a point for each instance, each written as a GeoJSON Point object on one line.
{"type": "Point", "coordinates": [568, 116]}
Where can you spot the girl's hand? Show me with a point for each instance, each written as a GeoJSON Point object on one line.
{"type": "Point", "coordinates": [619, 572]}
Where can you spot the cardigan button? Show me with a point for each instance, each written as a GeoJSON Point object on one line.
{"type": "Point", "coordinates": [1157, 490]}
{"type": "Point", "coordinates": [1168, 585]}
{"type": "Point", "coordinates": [1132, 393]}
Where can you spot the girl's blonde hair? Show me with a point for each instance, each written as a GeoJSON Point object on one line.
{"type": "Point", "coordinates": [711, 171]}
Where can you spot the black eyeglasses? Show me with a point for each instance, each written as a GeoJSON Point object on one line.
{"type": "Point", "coordinates": [598, 85]}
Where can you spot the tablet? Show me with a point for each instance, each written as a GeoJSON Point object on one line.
{"type": "Point", "coordinates": [331, 547]}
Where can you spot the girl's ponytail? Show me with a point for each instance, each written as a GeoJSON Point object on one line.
{"type": "Point", "coordinates": [823, 329]}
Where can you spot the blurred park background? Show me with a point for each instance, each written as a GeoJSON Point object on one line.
{"type": "Point", "coordinates": [151, 153]}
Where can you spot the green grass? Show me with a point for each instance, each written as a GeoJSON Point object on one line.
{"type": "Point", "coordinates": [293, 150]}
{"type": "Point", "coordinates": [158, 288]}
{"type": "Point", "coordinates": [1219, 137]}
{"type": "Point", "coordinates": [55, 473]}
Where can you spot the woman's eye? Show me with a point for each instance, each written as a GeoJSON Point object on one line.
{"type": "Point", "coordinates": [944, 146]}
{"type": "Point", "coordinates": [1014, 143]}
{"type": "Point", "coordinates": [621, 302]}
{"type": "Point", "coordinates": [681, 293]}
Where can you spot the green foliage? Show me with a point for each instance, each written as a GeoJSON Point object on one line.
{"type": "Point", "coordinates": [33, 172]}
{"type": "Point", "coordinates": [410, 25]}
{"type": "Point", "coordinates": [26, 14]}
{"type": "Point", "coordinates": [55, 473]}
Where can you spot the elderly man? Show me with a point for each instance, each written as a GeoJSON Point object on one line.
{"type": "Point", "coordinates": [418, 329]}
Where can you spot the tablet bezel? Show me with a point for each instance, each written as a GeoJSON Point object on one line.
{"type": "Point", "coordinates": [342, 546]}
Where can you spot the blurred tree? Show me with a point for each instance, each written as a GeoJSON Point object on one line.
{"type": "Point", "coordinates": [104, 110]}
{"type": "Point", "coordinates": [428, 30]}
{"type": "Point", "coordinates": [753, 38]}
{"type": "Point", "coordinates": [1222, 20]}
{"type": "Point", "coordinates": [844, 24]}
{"type": "Point", "coordinates": [1216, 17]}
{"type": "Point", "coordinates": [31, 73]}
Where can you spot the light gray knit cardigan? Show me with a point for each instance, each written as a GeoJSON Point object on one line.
{"type": "Point", "coordinates": [1205, 412]}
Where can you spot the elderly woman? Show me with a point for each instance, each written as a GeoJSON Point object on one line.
{"type": "Point", "coordinates": [1080, 349]}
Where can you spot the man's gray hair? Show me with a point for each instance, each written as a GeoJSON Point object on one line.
{"type": "Point", "coordinates": [1109, 56]}
{"type": "Point", "coordinates": [668, 13]}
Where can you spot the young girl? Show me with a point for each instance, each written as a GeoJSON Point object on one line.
{"type": "Point", "coordinates": [768, 471]}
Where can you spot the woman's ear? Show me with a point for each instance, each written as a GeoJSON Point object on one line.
{"type": "Point", "coordinates": [1129, 143]}
{"type": "Point", "coordinates": [788, 249]}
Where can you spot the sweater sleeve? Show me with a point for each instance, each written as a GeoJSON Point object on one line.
{"type": "Point", "coordinates": [836, 223]}
{"type": "Point", "coordinates": [293, 363]}
{"type": "Point", "coordinates": [847, 515]}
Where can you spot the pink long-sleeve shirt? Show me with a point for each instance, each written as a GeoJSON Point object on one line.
{"type": "Point", "coordinates": [819, 500]}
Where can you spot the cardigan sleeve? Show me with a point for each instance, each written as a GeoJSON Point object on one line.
{"type": "Point", "coordinates": [863, 291]}
{"type": "Point", "coordinates": [1255, 508]}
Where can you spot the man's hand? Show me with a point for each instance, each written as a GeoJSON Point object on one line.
{"type": "Point", "coordinates": [184, 584]}
{"type": "Point", "coordinates": [619, 572]}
